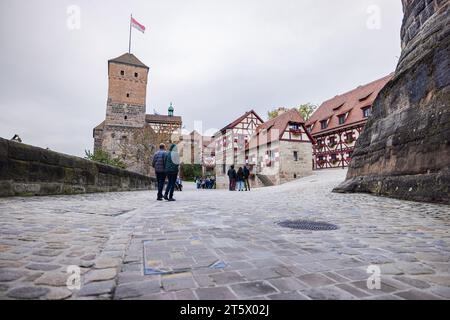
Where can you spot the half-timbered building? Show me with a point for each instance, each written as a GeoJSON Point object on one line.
{"type": "Point", "coordinates": [230, 143]}
{"type": "Point", "coordinates": [280, 151]}
{"type": "Point", "coordinates": [338, 123]}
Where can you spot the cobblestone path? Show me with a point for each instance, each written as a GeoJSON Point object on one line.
{"type": "Point", "coordinates": [223, 245]}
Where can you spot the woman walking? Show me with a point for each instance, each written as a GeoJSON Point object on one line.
{"type": "Point", "coordinates": [240, 179]}
{"type": "Point", "coordinates": [172, 168]}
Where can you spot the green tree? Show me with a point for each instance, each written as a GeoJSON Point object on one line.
{"type": "Point", "coordinates": [307, 110]}
{"type": "Point", "coordinates": [103, 157]}
{"type": "Point", "coordinates": [190, 171]}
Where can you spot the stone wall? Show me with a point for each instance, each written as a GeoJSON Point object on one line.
{"type": "Point", "coordinates": [290, 169]}
{"type": "Point", "coordinates": [30, 171]}
{"type": "Point", "coordinates": [404, 151]}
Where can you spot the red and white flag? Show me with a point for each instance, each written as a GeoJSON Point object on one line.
{"type": "Point", "coordinates": [137, 25]}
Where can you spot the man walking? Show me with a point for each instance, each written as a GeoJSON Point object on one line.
{"type": "Point", "coordinates": [246, 176]}
{"type": "Point", "coordinates": [172, 168]}
{"type": "Point", "coordinates": [159, 163]}
{"type": "Point", "coordinates": [232, 175]}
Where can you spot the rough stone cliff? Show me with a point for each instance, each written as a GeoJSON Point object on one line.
{"type": "Point", "coordinates": [404, 151]}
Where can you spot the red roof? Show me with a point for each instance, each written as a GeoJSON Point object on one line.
{"type": "Point", "coordinates": [350, 103]}
{"type": "Point", "coordinates": [239, 120]}
{"type": "Point", "coordinates": [277, 126]}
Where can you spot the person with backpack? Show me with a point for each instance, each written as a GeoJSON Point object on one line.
{"type": "Point", "coordinates": [159, 163]}
{"type": "Point", "coordinates": [172, 168]}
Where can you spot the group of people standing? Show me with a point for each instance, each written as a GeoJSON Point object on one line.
{"type": "Point", "coordinates": [205, 183]}
{"type": "Point", "coordinates": [167, 165]}
{"type": "Point", "coordinates": [239, 179]}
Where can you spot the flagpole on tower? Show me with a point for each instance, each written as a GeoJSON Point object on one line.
{"type": "Point", "coordinates": [129, 44]}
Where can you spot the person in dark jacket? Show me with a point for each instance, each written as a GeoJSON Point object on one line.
{"type": "Point", "coordinates": [246, 177]}
{"type": "Point", "coordinates": [240, 179]}
{"type": "Point", "coordinates": [172, 168]}
{"type": "Point", "coordinates": [159, 163]}
{"type": "Point", "coordinates": [232, 175]}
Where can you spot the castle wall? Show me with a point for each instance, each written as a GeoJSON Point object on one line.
{"type": "Point", "coordinates": [30, 171]}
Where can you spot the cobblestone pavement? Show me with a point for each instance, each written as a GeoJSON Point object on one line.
{"type": "Point", "coordinates": [184, 243]}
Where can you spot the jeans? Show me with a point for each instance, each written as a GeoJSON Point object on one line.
{"type": "Point", "coordinates": [161, 178]}
{"type": "Point", "coordinates": [240, 185]}
{"type": "Point", "coordinates": [172, 177]}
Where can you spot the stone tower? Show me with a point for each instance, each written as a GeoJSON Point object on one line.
{"type": "Point", "coordinates": [127, 92]}
{"type": "Point", "coordinates": [129, 134]}
{"type": "Point", "coordinates": [404, 151]}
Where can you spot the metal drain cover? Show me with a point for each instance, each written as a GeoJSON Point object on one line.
{"type": "Point", "coordinates": [308, 225]}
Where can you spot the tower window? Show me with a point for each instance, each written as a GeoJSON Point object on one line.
{"type": "Point", "coordinates": [122, 73]}
{"type": "Point", "coordinates": [128, 95]}
{"type": "Point", "coordinates": [295, 155]}
{"type": "Point", "coordinates": [136, 74]}
{"type": "Point", "coordinates": [126, 117]}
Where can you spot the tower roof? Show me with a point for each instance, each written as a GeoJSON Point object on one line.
{"type": "Point", "coordinates": [129, 59]}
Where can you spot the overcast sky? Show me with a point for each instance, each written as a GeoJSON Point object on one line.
{"type": "Point", "coordinates": [213, 59]}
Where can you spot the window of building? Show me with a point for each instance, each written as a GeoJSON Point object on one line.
{"type": "Point", "coordinates": [367, 112]}
{"type": "Point", "coordinates": [334, 157]}
{"type": "Point", "coordinates": [128, 95]}
{"type": "Point", "coordinates": [136, 75]}
{"type": "Point", "coordinates": [122, 73]}
{"type": "Point", "coordinates": [295, 155]}
{"type": "Point", "coordinates": [342, 119]}
{"type": "Point", "coordinates": [294, 127]}
{"type": "Point", "coordinates": [126, 117]}
{"type": "Point", "coordinates": [332, 140]}
{"type": "Point", "coordinates": [324, 124]}
{"type": "Point", "coordinates": [319, 142]}
{"type": "Point", "coordinates": [350, 137]}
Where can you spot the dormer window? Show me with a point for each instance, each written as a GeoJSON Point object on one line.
{"type": "Point", "coordinates": [342, 119]}
{"type": "Point", "coordinates": [324, 124]}
{"type": "Point", "coordinates": [338, 107]}
{"type": "Point", "coordinates": [365, 98]}
{"type": "Point", "coordinates": [367, 112]}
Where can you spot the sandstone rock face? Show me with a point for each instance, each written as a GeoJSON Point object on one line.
{"type": "Point", "coordinates": [404, 151]}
